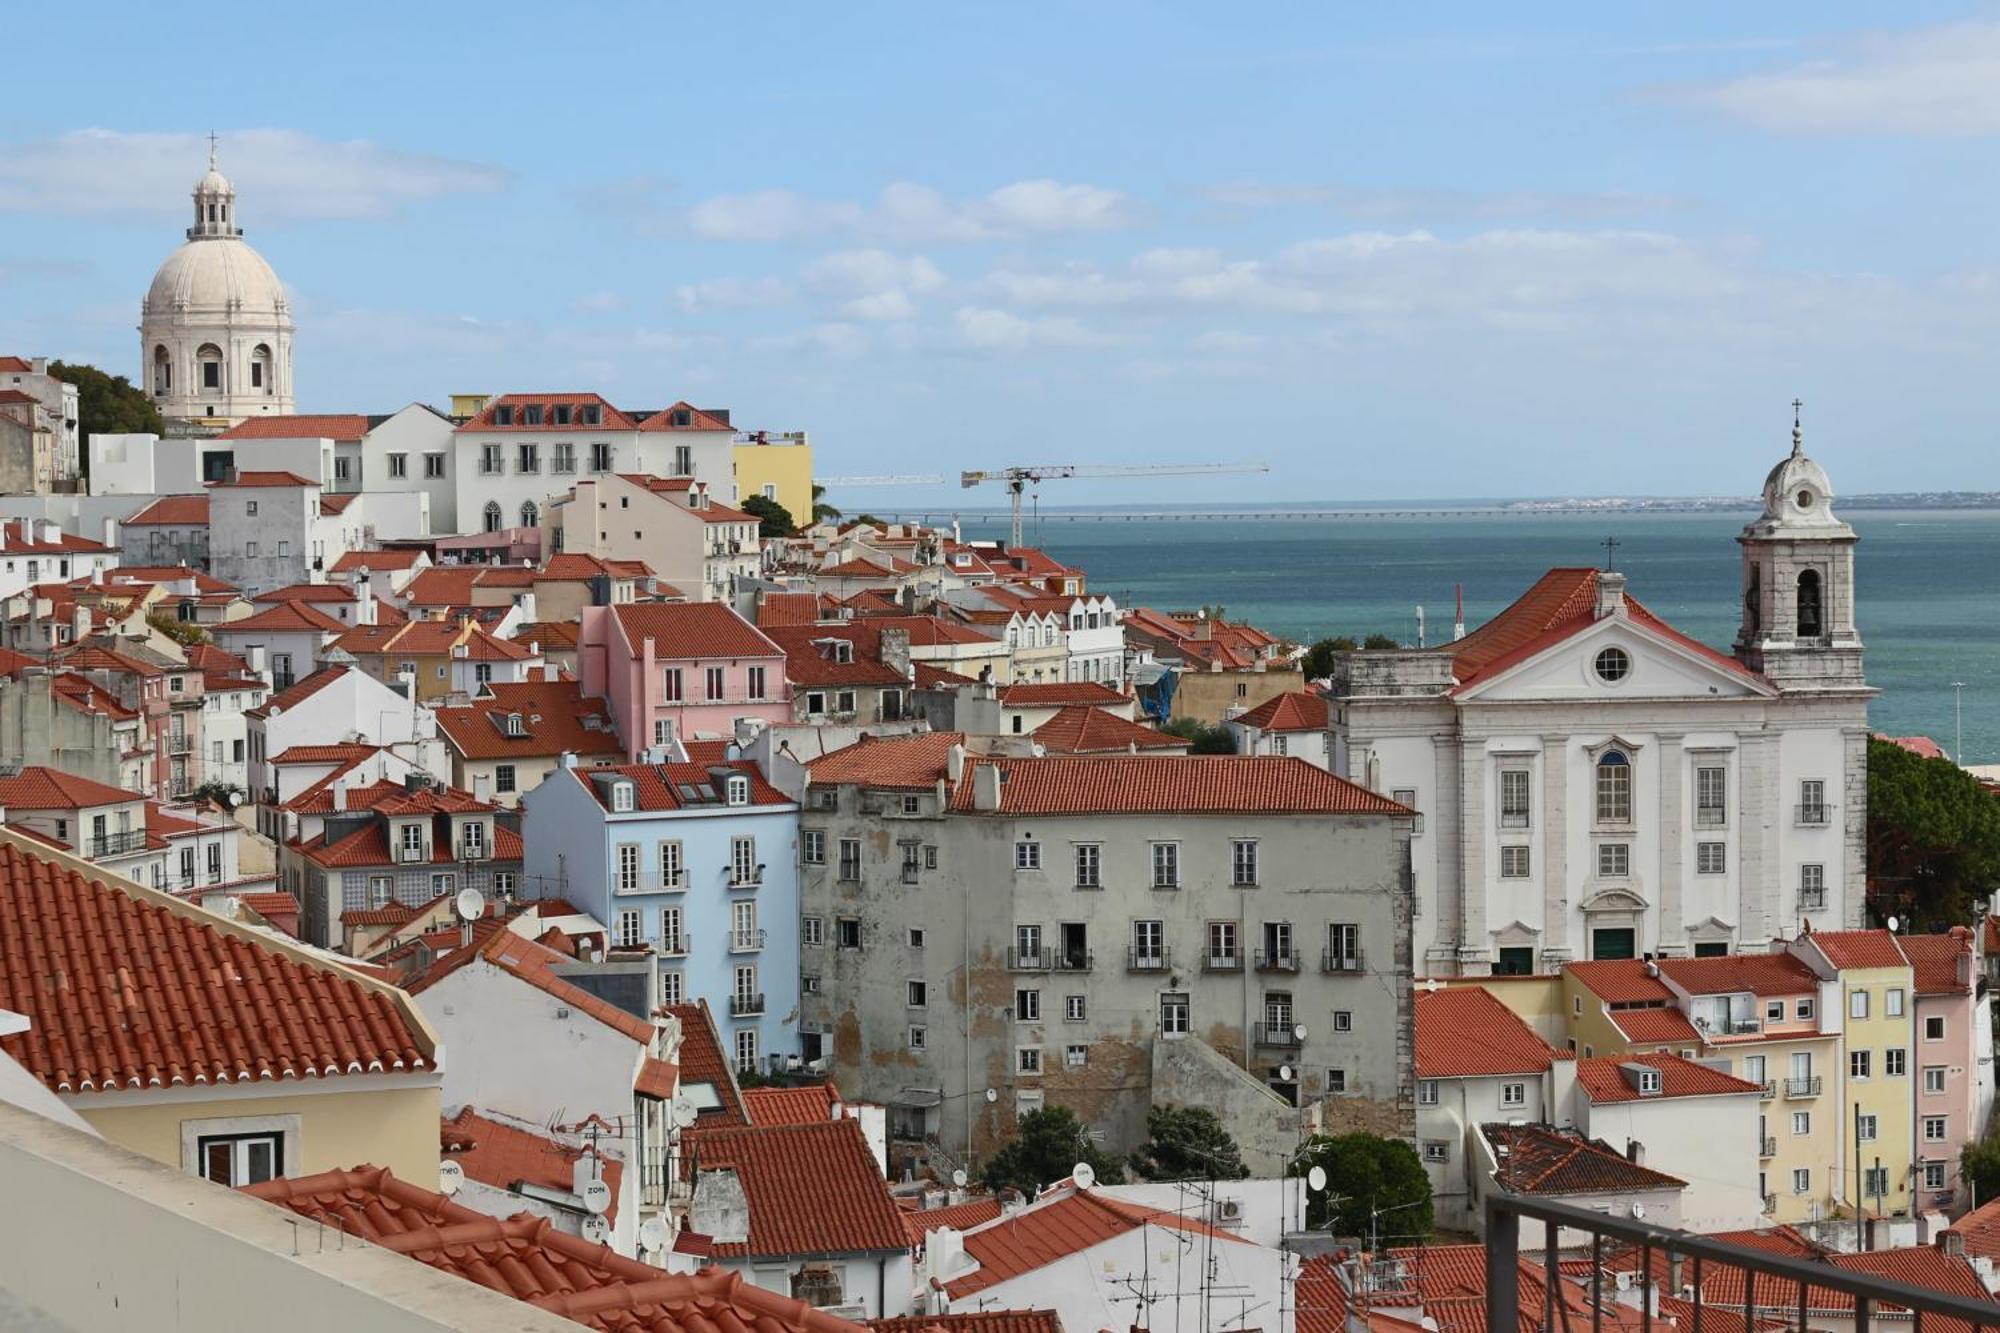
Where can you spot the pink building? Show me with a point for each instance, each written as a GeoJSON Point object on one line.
{"type": "Point", "coordinates": [680, 669]}
{"type": "Point", "coordinates": [1945, 1049]}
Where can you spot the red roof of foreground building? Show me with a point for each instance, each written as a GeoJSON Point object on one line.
{"type": "Point", "coordinates": [294, 617]}
{"type": "Point", "coordinates": [40, 788]}
{"type": "Point", "coordinates": [812, 658]}
{"type": "Point", "coordinates": [1858, 948]}
{"type": "Point", "coordinates": [840, 1206]}
{"type": "Point", "coordinates": [787, 608]}
{"type": "Point", "coordinates": [172, 510]}
{"type": "Point", "coordinates": [264, 480]}
{"type": "Point", "coordinates": [1080, 729]}
{"type": "Point", "coordinates": [1603, 1079]}
{"type": "Point", "coordinates": [1979, 1230]}
{"type": "Point", "coordinates": [1660, 1023]}
{"type": "Point", "coordinates": [344, 427]}
{"type": "Point", "coordinates": [702, 1061]}
{"type": "Point", "coordinates": [1537, 1160]}
{"type": "Point", "coordinates": [1463, 1032]}
{"type": "Point", "coordinates": [1292, 711]}
{"type": "Point", "coordinates": [128, 988]}
{"type": "Point", "coordinates": [1765, 974]}
{"type": "Point", "coordinates": [507, 1156]}
{"type": "Point", "coordinates": [914, 762]}
{"type": "Point", "coordinates": [534, 963]}
{"type": "Point", "coordinates": [1060, 694]}
{"type": "Point", "coordinates": [681, 630]}
{"type": "Point", "coordinates": [374, 561]}
{"type": "Point", "coordinates": [678, 786]}
{"type": "Point", "coordinates": [1921, 746]}
{"type": "Point", "coordinates": [810, 1104]}
{"type": "Point", "coordinates": [695, 419]}
{"type": "Point", "coordinates": [527, 1258]}
{"type": "Point", "coordinates": [1621, 981]}
{"type": "Point", "coordinates": [1055, 1228]}
{"type": "Point", "coordinates": [972, 1321]}
{"type": "Point", "coordinates": [1171, 785]}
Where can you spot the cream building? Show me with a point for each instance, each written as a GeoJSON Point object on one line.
{"type": "Point", "coordinates": [215, 330]}
{"type": "Point", "coordinates": [1596, 784]}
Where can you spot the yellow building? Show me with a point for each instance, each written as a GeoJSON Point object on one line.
{"type": "Point", "coordinates": [1875, 988]}
{"type": "Point", "coordinates": [204, 1043]}
{"type": "Point", "coordinates": [779, 466]}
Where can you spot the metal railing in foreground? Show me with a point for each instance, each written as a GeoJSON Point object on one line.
{"type": "Point", "coordinates": [1792, 1281]}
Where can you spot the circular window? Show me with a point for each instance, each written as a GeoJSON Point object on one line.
{"type": "Point", "coordinates": [1613, 665]}
{"type": "Point", "coordinates": [1805, 499]}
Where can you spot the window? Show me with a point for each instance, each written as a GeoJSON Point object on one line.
{"type": "Point", "coordinates": [1933, 1078]}
{"type": "Point", "coordinates": [600, 454]}
{"type": "Point", "coordinates": [673, 989]}
{"type": "Point", "coordinates": [621, 797]}
{"type": "Point", "coordinates": [1514, 863]}
{"type": "Point", "coordinates": [850, 859]}
{"type": "Point", "coordinates": [528, 458]}
{"type": "Point", "coordinates": [1513, 1094]}
{"type": "Point", "coordinates": [1076, 1057]}
{"type": "Point", "coordinates": [490, 516]}
{"type": "Point", "coordinates": [1857, 1003]}
{"type": "Point", "coordinates": [563, 458]}
{"type": "Point", "coordinates": [1515, 960]}
{"type": "Point", "coordinates": [1711, 796]}
{"type": "Point", "coordinates": [1427, 1092]}
{"type": "Point", "coordinates": [628, 929]}
{"type": "Point", "coordinates": [1934, 1028]}
{"type": "Point", "coordinates": [531, 516]}
{"type": "Point", "coordinates": [1875, 1181]}
{"type": "Point", "coordinates": [1614, 787]}
{"type": "Point", "coordinates": [1514, 800]}
{"type": "Point", "coordinates": [1865, 1128]}
{"type": "Point", "coordinates": [743, 867]}
{"type": "Point", "coordinates": [1027, 1006]}
{"type": "Point", "coordinates": [1801, 1181]}
{"type": "Point", "coordinates": [1175, 1020]}
{"type": "Point", "coordinates": [1613, 665]}
{"type": "Point", "coordinates": [670, 865]}
{"type": "Point", "coordinates": [672, 941]}
{"type": "Point", "coordinates": [812, 932]}
{"type": "Point", "coordinates": [1802, 1122]}
{"type": "Point", "coordinates": [915, 937]}
{"type": "Point", "coordinates": [1074, 1008]}
{"type": "Point", "coordinates": [1243, 862]}
{"type": "Point", "coordinates": [1614, 860]}
{"type": "Point", "coordinates": [919, 1037]}
{"type": "Point", "coordinates": [504, 778]}
{"type": "Point", "coordinates": [1859, 1063]}
{"type": "Point", "coordinates": [712, 683]}
{"type": "Point", "coordinates": [1803, 1010]}
{"type": "Point", "coordinates": [912, 804]}
{"type": "Point", "coordinates": [670, 685]}
{"type": "Point", "coordinates": [916, 994]}
{"type": "Point", "coordinates": [1027, 856]}
{"type": "Point", "coordinates": [1088, 865]}
{"type": "Point", "coordinates": [381, 890]}
{"type": "Point", "coordinates": [847, 933]}
{"type": "Point", "coordinates": [1336, 1080]}
{"type": "Point", "coordinates": [249, 551]}
{"type": "Point", "coordinates": [1812, 886]}
{"type": "Point", "coordinates": [1343, 947]}
{"type": "Point", "coordinates": [399, 465]}
{"type": "Point", "coordinates": [1934, 1177]}
{"type": "Point", "coordinates": [433, 465]}
{"type": "Point", "coordinates": [1343, 1020]}
{"type": "Point", "coordinates": [756, 678]}
{"type": "Point", "coordinates": [1221, 943]}
{"type": "Point", "coordinates": [236, 1160]}
{"type": "Point", "coordinates": [489, 460]}
{"type": "Point", "coordinates": [1028, 1059]}
{"type": "Point", "coordinates": [1711, 858]}
{"type": "Point", "coordinates": [1437, 1150]}
{"type": "Point", "coordinates": [746, 1049]}
{"type": "Point", "coordinates": [1166, 865]}
{"type": "Point", "coordinates": [812, 846]}
{"type": "Point", "coordinates": [1934, 1128]}
{"type": "Point", "coordinates": [1895, 1062]}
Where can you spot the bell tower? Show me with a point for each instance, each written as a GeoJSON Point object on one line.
{"type": "Point", "coordinates": [1798, 581]}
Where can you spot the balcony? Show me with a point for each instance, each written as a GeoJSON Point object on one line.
{"type": "Point", "coordinates": [1802, 1087]}
{"type": "Point", "coordinates": [751, 880]}
{"type": "Point", "coordinates": [179, 743]}
{"type": "Point", "coordinates": [1769, 1148]}
{"type": "Point", "coordinates": [1283, 1036]}
{"type": "Point", "coordinates": [475, 851]}
{"type": "Point", "coordinates": [674, 946]}
{"type": "Point", "coordinates": [1075, 960]}
{"type": "Point", "coordinates": [1148, 960]}
{"type": "Point", "coordinates": [746, 1006]}
{"type": "Point", "coordinates": [1278, 960]}
{"type": "Point", "coordinates": [412, 855]}
{"type": "Point", "coordinates": [648, 881]}
{"type": "Point", "coordinates": [1338, 962]}
{"type": "Point", "coordinates": [1812, 816]}
{"type": "Point", "coordinates": [1770, 1089]}
{"type": "Point", "coordinates": [117, 844]}
{"type": "Point", "coordinates": [1776, 1287]}
{"type": "Point", "coordinates": [1222, 962]}
{"type": "Point", "coordinates": [1030, 960]}
{"type": "Point", "coordinates": [746, 941]}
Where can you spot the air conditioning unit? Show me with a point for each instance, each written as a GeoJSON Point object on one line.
{"type": "Point", "coordinates": [1229, 1212]}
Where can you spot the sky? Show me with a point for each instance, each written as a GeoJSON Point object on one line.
{"type": "Point", "coordinates": [1447, 251]}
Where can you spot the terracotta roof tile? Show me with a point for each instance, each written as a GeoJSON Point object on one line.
{"type": "Point", "coordinates": [1054, 1228]}
{"type": "Point", "coordinates": [286, 617]}
{"type": "Point", "coordinates": [1060, 693]}
{"type": "Point", "coordinates": [40, 788]}
{"type": "Point", "coordinates": [1658, 1023]}
{"type": "Point", "coordinates": [1537, 1160]}
{"type": "Point", "coordinates": [697, 419]}
{"type": "Point", "coordinates": [840, 1206]}
{"type": "Point", "coordinates": [1623, 981]}
{"type": "Point", "coordinates": [1980, 1230]}
{"type": "Point", "coordinates": [1921, 746]}
{"type": "Point", "coordinates": [1081, 729]}
{"type": "Point", "coordinates": [368, 846]}
{"type": "Point", "coordinates": [374, 561]}
{"type": "Point", "coordinates": [973, 1321]}
{"type": "Point", "coordinates": [1764, 974]}
{"type": "Point", "coordinates": [127, 988]}
{"type": "Point", "coordinates": [1603, 1079]}
{"type": "Point", "coordinates": [809, 1104]}
{"type": "Point", "coordinates": [661, 786]}
{"type": "Point", "coordinates": [1935, 961]}
{"type": "Point", "coordinates": [344, 427]}
{"type": "Point", "coordinates": [1172, 784]}
{"type": "Point", "coordinates": [958, 1216]}
{"type": "Point", "coordinates": [1291, 711]}
{"type": "Point", "coordinates": [811, 661]}
{"type": "Point", "coordinates": [264, 480]}
{"type": "Point", "coordinates": [702, 1060]}
{"type": "Point", "coordinates": [552, 714]}
{"type": "Point", "coordinates": [172, 510]}
{"type": "Point", "coordinates": [913, 762]}
{"type": "Point", "coordinates": [534, 963]}
{"type": "Point", "coordinates": [787, 608]}
{"type": "Point", "coordinates": [682, 630]}
{"type": "Point", "coordinates": [1859, 948]}
{"type": "Point", "coordinates": [610, 417]}
{"type": "Point", "coordinates": [1464, 1032]}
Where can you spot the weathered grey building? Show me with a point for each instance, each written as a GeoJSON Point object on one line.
{"type": "Point", "coordinates": [987, 936]}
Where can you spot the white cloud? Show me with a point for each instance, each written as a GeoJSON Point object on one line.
{"type": "Point", "coordinates": [1389, 204]}
{"type": "Point", "coordinates": [874, 284]}
{"type": "Point", "coordinates": [714, 294]}
{"type": "Point", "coordinates": [1002, 330]}
{"type": "Point", "coordinates": [277, 173]}
{"type": "Point", "coordinates": [843, 341]}
{"type": "Point", "coordinates": [1940, 82]}
{"type": "Point", "coordinates": [882, 305]}
{"type": "Point", "coordinates": [909, 214]}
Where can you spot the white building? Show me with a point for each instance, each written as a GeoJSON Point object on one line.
{"type": "Point", "coordinates": [335, 705]}
{"type": "Point", "coordinates": [1687, 1119]}
{"type": "Point", "coordinates": [1294, 723]}
{"type": "Point", "coordinates": [1597, 784]}
{"type": "Point", "coordinates": [699, 546]}
{"type": "Point", "coordinates": [411, 450]}
{"type": "Point", "coordinates": [215, 330]}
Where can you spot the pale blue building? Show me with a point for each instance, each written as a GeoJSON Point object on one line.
{"type": "Point", "coordinates": [691, 865]}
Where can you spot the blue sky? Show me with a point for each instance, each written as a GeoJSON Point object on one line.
{"type": "Point", "coordinates": [1476, 251]}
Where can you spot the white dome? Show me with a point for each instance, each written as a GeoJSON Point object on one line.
{"type": "Point", "coordinates": [218, 273]}
{"type": "Point", "coordinates": [1797, 494]}
{"type": "Point", "coordinates": [214, 182]}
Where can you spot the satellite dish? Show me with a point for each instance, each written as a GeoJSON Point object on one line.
{"type": "Point", "coordinates": [991, 1096]}
{"type": "Point", "coordinates": [1284, 1073]}
{"type": "Point", "coordinates": [1638, 1210]}
{"type": "Point", "coordinates": [1892, 925]}
{"type": "Point", "coordinates": [595, 1229]}
{"type": "Point", "coordinates": [1084, 1174]}
{"type": "Point", "coordinates": [958, 1178]}
{"type": "Point", "coordinates": [451, 1178]}
{"type": "Point", "coordinates": [471, 904]}
{"type": "Point", "coordinates": [653, 1234]}
{"type": "Point", "coordinates": [596, 1196]}
{"type": "Point", "coordinates": [682, 1112]}
{"type": "Point", "coordinates": [1316, 1179]}
{"type": "Point", "coordinates": [1300, 1032]}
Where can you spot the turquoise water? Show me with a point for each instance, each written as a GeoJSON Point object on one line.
{"type": "Point", "coordinates": [1928, 584]}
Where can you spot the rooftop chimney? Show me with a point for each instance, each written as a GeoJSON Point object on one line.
{"type": "Point", "coordinates": [954, 763]}
{"type": "Point", "coordinates": [1610, 594]}
{"type": "Point", "coordinates": [986, 787]}
{"type": "Point", "coordinates": [340, 796]}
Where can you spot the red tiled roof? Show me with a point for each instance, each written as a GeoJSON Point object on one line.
{"type": "Point", "coordinates": [16, 365]}
{"type": "Point", "coordinates": [840, 1206]}
{"type": "Point", "coordinates": [1923, 1266]}
{"type": "Point", "coordinates": [787, 608]}
{"type": "Point", "coordinates": [1292, 711]}
{"type": "Point", "coordinates": [552, 716]}
{"type": "Point", "coordinates": [264, 480]}
{"type": "Point", "coordinates": [809, 1104]}
{"type": "Point", "coordinates": [657, 1078]}
{"type": "Point", "coordinates": [1054, 1229]}
{"type": "Point", "coordinates": [702, 1061]}
{"type": "Point", "coordinates": [1060, 694]}
{"type": "Point", "coordinates": [958, 1216]}
{"type": "Point", "coordinates": [172, 510]}
{"type": "Point", "coordinates": [308, 592]}
{"type": "Point", "coordinates": [682, 630]}
{"type": "Point", "coordinates": [1537, 1160]}
{"type": "Point", "coordinates": [610, 417]}
{"type": "Point", "coordinates": [913, 762]}
{"type": "Point", "coordinates": [1463, 1032]}
{"type": "Point", "coordinates": [698, 419]}
{"type": "Point", "coordinates": [63, 541]}
{"type": "Point", "coordinates": [369, 845]}
{"type": "Point", "coordinates": [341, 752]}
{"type": "Point", "coordinates": [297, 693]}
{"type": "Point", "coordinates": [1172, 784]}
{"type": "Point", "coordinates": [1764, 974]}
{"type": "Point", "coordinates": [930, 676]}
{"type": "Point", "coordinates": [1921, 746]}
{"type": "Point", "coordinates": [344, 427]}
{"type": "Point", "coordinates": [1980, 1230]}
{"type": "Point", "coordinates": [1603, 1079]}
{"type": "Point", "coordinates": [127, 988]}
{"type": "Point", "coordinates": [1934, 959]}
{"type": "Point", "coordinates": [506, 1156]}
{"type": "Point", "coordinates": [1859, 948]}
{"type": "Point", "coordinates": [557, 634]}
{"type": "Point", "coordinates": [1623, 981]}
{"type": "Point", "coordinates": [809, 663]}
{"type": "Point", "coordinates": [658, 786]}
{"type": "Point", "coordinates": [285, 617]}
{"type": "Point", "coordinates": [1080, 729]}
{"type": "Point", "coordinates": [377, 560]}
{"type": "Point", "coordinates": [532, 963]}
{"type": "Point", "coordinates": [972, 1321]}
{"type": "Point", "coordinates": [1660, 1023]}
{"type": "Point", "coordinates": [526, 1258]}
{"type": "Point", "coordinates": [39, 788]}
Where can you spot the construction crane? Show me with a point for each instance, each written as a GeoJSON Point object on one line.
{"type": "Point", "coordinates": [1018, 479]}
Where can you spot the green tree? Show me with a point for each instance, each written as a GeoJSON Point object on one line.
{"type": "Point", "coordinates": [1933, 838]}
{"type": "Point", "coordinates": [108, 404]}
{"type": "Point", "coordinates": [773, 519]}
{"type": "Point", "coordinates": [871, 521]}
{"type": "Point", "coordinates": [821, 510]}
{"type": "Point", "coordinates": [1373, 1186]}
{"type": "Point", "coordinates": [1046, 1144]}
{"type": "Point", "coordinates": [1980, 1165]}
{"type": "Point", "coordinates": [180, 631]}
{"type": "Point", "coordinates": [1317, 664]}
{"type": "Point", "coordinates": [221, 793]}
{"type": "Point", "coordinates": [1375, 641]}
{"type": "Point", "coordinates": [1202, 737]}
{"type": "Point", "coordinates": [1187, 1143]}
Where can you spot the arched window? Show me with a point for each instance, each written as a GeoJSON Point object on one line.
{"type": "Point", "coordinates": [208, 360]}
{"type": "Point", "coordinates": [1614, 788]}
{"type": "Point", "coordinates": [530, 516]}
{"type": "Point", "coordinates": [260, 368]}
{"type": "Point", "coordinates": [492, 516]}
{"type": "Point", "coordinates": [1811, 620]}
{"type": "Point", "coordinates": [163, 371]}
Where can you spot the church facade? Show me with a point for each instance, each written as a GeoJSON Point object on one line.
{"type": "Point", "coordinates": [1596, 784]}
{"type": "Point", "coordinates": [215, 329]}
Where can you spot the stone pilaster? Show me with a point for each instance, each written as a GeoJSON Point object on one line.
{"type": "Point", "coordinates": [1670, 938]}
{"type": "Point", "coordinates": [1760, 884]}
{"type": "Point", "coordinates": [1854, 828]}
{"type": "Point", "coordinates": [1442, 901]}
{"type": "Point", "coordinates": [1553, 855]}
{"type": "Point", "coordinates": [1475, 940]}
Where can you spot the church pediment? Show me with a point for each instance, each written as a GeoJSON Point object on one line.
{"type": "Point", "coordinates": [1613, 900]}
{"type": "Point", "coordinates": [1619, 656]}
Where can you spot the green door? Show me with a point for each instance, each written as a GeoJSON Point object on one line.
{"type": "Point", "coordinates": [1614, 943]}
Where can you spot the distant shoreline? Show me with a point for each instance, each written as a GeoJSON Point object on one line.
{"type": "Point", "coordinates": [1916, 501]}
